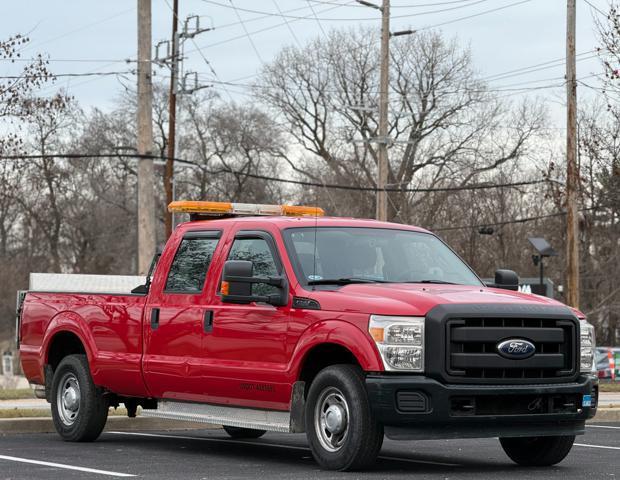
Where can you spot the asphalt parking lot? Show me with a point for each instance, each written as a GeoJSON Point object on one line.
{"type": "Point", "coordinates": [210, 454]}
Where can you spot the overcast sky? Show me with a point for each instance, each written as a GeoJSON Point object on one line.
{"type": "Point", "coordinates": [87, 35]}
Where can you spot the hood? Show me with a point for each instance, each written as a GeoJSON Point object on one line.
{"type": "Point", "coordinates": [417, 299]}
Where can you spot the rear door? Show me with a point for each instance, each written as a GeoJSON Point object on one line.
{"type": "Point", "coordinates": [176, 316]}
{"type": "Point", "coordinates": [247, 350]}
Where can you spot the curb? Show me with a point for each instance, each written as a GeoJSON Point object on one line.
{"type": "Point", "coordinates": [123, 424]}
{"type": "Point", "coordinates": [604, 415]}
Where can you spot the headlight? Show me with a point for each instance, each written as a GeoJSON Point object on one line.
{"type": "Point", "coordinates": [587, 347]}
{"type": "Point", "coordinates": [400, 341]}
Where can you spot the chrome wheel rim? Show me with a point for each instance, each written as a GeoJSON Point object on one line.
{"type": "Point", "coordinates": [331, 419]}
{"type": "Point", "coordinates": [68, 399]}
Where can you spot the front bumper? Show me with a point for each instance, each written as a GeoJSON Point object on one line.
{"type": "Point", "coordinates": [419, 407]}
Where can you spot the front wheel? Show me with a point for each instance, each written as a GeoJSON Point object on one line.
{"type": "Point", "coordinates": [342, 431]}
{"type": "Point", "coordinates": [79, 410]}
{"type": "Point", "coordinates": [537, 451]}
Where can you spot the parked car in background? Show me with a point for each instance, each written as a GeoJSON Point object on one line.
{"type": "Point", "coordinates": [603, 367]}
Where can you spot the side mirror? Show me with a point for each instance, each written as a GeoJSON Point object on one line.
{"type": "Point", "coordinates": [237, 281]}
{"type": "Point", "coordinates": [506, 279]}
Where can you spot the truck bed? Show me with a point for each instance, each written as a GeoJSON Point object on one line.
{"type": "Point", "coordinates": [108, 324]}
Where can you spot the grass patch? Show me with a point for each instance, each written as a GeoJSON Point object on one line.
{"type": "Point", "coordinates": [24, 412]}
{"type": "Point", "coordinates": [16, 393]}
{"type": "Point", "coordinates": [44, 412]}
{"type": "Point", "coordinates": [609, 387]}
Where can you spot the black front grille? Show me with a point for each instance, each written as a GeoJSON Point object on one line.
{"type": "Point", "coordinates": [497, 405]}
{"type": "Point", "coordinates": [472, 349]}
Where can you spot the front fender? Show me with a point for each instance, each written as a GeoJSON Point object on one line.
{"type": "Point", "coordinates": [341, 333]}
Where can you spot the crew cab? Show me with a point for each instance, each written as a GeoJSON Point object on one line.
{"type": "Point", "coordinates": [276, 318]}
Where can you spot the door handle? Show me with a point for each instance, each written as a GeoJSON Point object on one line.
{"type": "Point", "coordinates": [154, 318]}
{"type": "Point", "coordinates": [208, 321]}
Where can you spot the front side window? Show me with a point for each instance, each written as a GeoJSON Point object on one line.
{"type": "Point", "coordinates": [257, 251]}
{"type": "Point", "coordinates": [189, 267]}
{"type": "Point", "coordinates": [374, 255]}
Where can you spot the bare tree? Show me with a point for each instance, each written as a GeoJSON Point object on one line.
{"type": "Point", "coordinates": [445, 125]}
{"type": "Point", "coordinates": [600, 222]}
{"type": "Point", "coordinates": [230, 145]}
{"type": "Point", "coordinates": [609, 52]}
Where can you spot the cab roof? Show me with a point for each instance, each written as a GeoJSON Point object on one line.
{"type": "Point", "coordinates": [284, 222]}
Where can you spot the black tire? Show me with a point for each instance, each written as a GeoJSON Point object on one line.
{"type": "Point", "coordinates": [537, 451]}
{"type": "Point", "coordinates": [238, 432]}
{"type": "Point", "coordinates": [341, 388]}
{"type": "Point", "coordinates": [85, 422]}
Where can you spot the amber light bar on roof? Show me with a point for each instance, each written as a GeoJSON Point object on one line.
{"type": "Point", "coordinates": [220, 209]}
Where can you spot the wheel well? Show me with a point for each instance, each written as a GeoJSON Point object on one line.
{"type": "Point", "coordinates": [63, 344]}
{"type": "Point", "coordinates": [323, 356]}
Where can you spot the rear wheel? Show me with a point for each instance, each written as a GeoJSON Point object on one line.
{"type": "Point", "coordinates": [342, 431]}
{"type": "Point", "coordinates": [537, 451]}
{"type": "Point", "coordinates": [79, 410]}
{"type": "Point", "coordinates": [238, 432]}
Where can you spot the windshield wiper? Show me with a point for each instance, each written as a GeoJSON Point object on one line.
{"type": "Point", "coordinates": [344, 281]}
{"type": "Point", "coordinates": [439, 282]}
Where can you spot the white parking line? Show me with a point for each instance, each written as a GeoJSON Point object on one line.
{"type": "Point", "coordinates": [64, 466]}
{"type": "Point", "coordinates": [602, 426]}
{"type": "Point", "coordinates": [596, 446]}
{"type": "Point", "coordinates": [292, 447]}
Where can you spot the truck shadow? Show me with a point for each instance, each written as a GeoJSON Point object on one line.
{"type": "Point", "coordinates": [269, 454]}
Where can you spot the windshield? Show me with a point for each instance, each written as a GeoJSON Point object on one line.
{"type": "Point", "coordinates": [348, 254]}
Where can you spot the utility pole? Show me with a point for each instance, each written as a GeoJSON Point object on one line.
{"type": "Point", "coordinates": [572, 173]}
{"type": "Point", "coordinates": [173, 58]}
{"type": "Point", "coordinates": [383, 139]}
{"type": "Point", "coordinates": [172, 118]}
{"type": "Point", "coordinates": [382, 180]}
{"type": "Point", "coordinates": [146, 197]}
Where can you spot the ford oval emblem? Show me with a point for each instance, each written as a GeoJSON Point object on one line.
{"type": "Point", "coordinates": [516, 349]}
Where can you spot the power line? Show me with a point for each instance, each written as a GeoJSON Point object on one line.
{"type": "Point", "coordinates": [330, 186]}
{"type": "Point", "coordinates": [594, 7]}
{"type": "Point", "coordinates": [52, 76]}
{"type": "Point", "coordinates": [347, 19]}
{"type": "Point", "coordinates": [245, 28]}
{"type": "Point", "coordinates": [500, 88]}
{"type": "Point", "coordinates": [77, 156]}
{"type": "Point", "coordinates": [265, 29]}
{"type": "Point", "coordinates": [516, 220]}
{"type": "Point", "coordinates": [418, 5]}
{"type": "Point", "coordinates": [535, 68]}
{"type": "Point", "coordinates": [83, 27]}
{"type": "Point", "coordinates": [468, 17]}
{"type": "Point", "coordinates": [316, 17]}
{"type": "Point", "coordinates": [288, 25]}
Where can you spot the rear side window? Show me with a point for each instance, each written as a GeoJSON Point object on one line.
{"type": "Point", "coordinates": [257, 251]}
{"type": "Point", "coordinates": [189, 267]}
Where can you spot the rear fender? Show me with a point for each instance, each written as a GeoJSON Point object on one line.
{"type": "Point", "coordinates": [73, 323]}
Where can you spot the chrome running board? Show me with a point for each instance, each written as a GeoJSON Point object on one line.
{"type": "Point", "coordinates": [270, 420]}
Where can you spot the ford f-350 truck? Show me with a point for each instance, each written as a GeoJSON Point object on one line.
{"type": "Point", "coordinates": [275, 318]}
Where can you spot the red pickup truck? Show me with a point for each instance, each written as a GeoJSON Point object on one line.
{"type": "Point", "coordinates": [274, 318]}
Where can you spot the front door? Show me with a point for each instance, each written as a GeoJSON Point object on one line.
{"type": "Point", "coordinates": [247, 351]}
{"type": "Point", "coordinates": [176, 318]}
